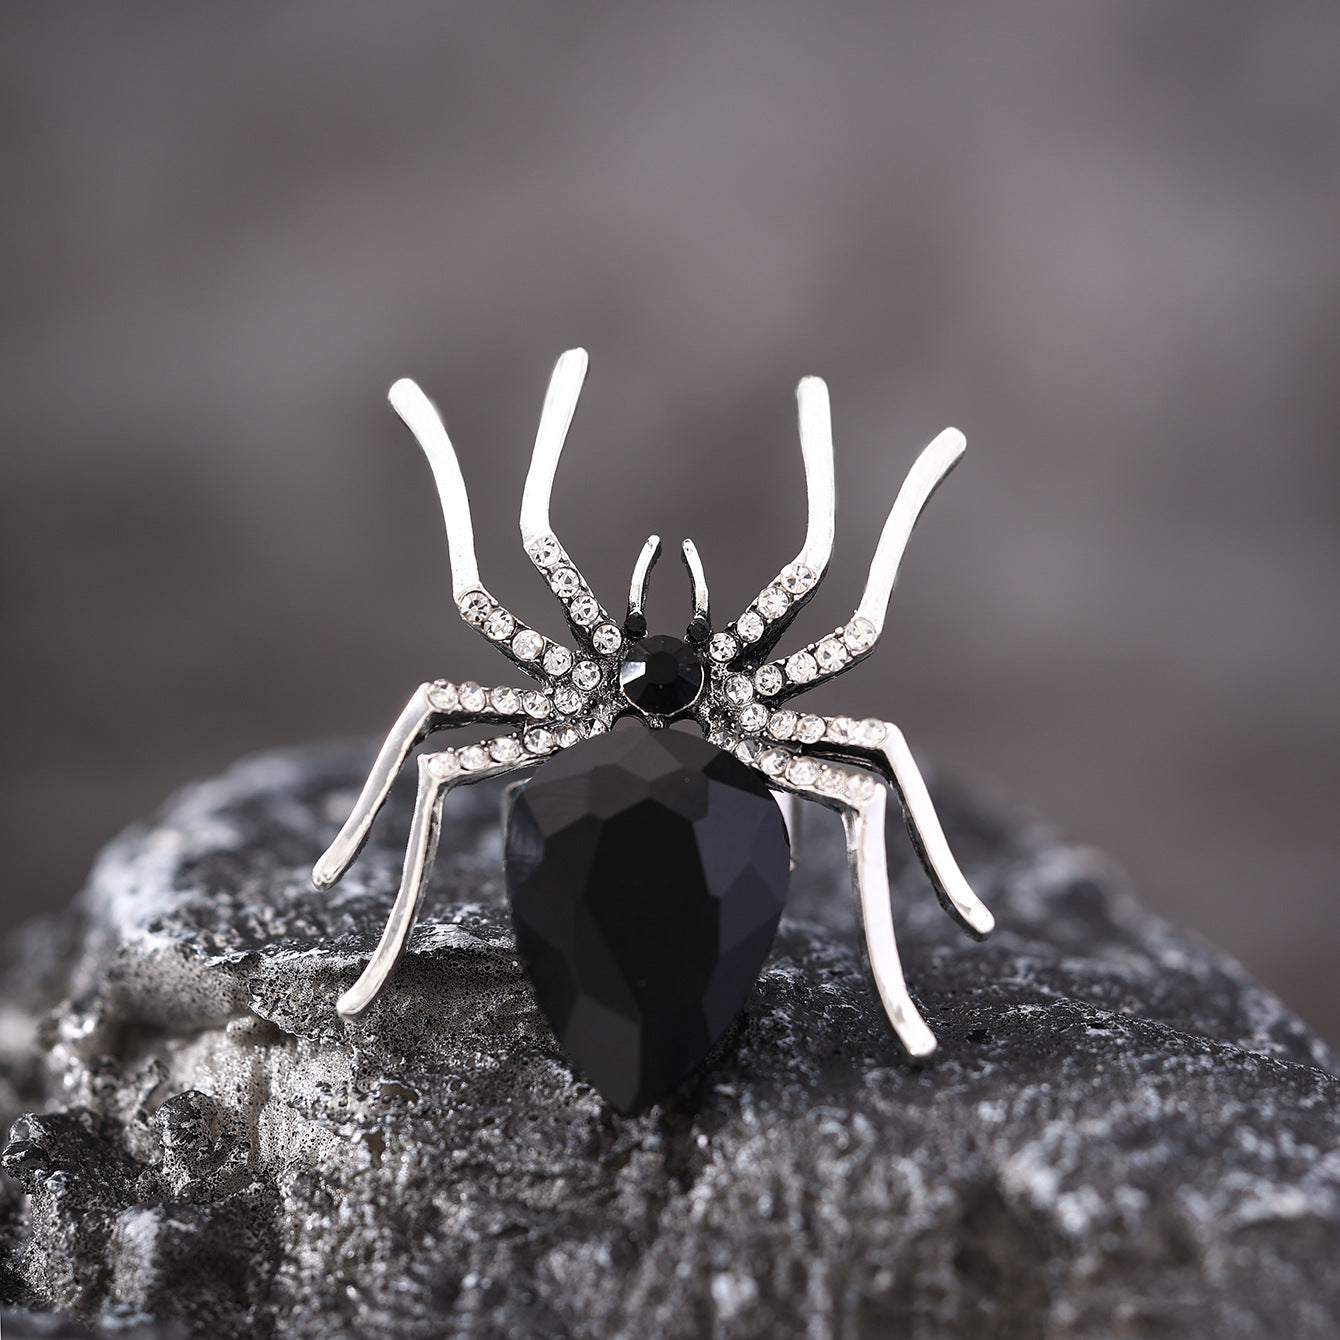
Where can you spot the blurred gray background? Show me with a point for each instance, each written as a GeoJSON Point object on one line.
{"type": "Point", "coordinates": [1102, 239]}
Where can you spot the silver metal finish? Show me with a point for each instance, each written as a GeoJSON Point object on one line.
{"type": "Point", "coordinates": [560, 404]}
{"type": "Point", "coordinates": [548, 555]}
{"type": "Point", "coordinates": [702, 600]}
{"type": "Point", "coordinates": [816, 447]}
{"type": "Point", "coordinates": [928, 472]}
{"type": "Point", "coordinates": [786, 802]}
{"type": "Point", "coordinates": [800, 578]}
{"type": "Point", "coordinates": [845, 764]}
{"type": "Point", "coordinates": [863, 824]}
{"type": "Point", "coordinates": [646, 560]}
{"type": "Point", "coordinates": [473, 601]}
{"type": "Point", "coordinates": [856, 639]}
{"type": "Point", "coordinates": [423, 834]}
{"type": "Point", "coordinates": [423, 420]}
{"type": "Point", "coordinates": [928, 838]}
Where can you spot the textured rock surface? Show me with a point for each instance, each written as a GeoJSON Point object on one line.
{"type": "Point", "coordinates": [1122, 1135]}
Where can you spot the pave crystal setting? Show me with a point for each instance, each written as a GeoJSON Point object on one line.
{"type": "Point", "coordinates": [647, 873]}
{"type": "Point", "coordinates": [648, 866]}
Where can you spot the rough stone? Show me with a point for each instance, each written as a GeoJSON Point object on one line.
{"type": "Point", "coordinates": [1121, 1135]}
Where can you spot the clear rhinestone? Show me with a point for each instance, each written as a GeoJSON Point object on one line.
{"type": "Point", "coordinates": [567, 699]}
{"type": "Point", "coordinates": [607, 639]}
{"type": "Point", "coordinates": [739, 690]}
{"type": "Point", "coordinates": [747, 751]}
{"type": "Point", "coordinates": [870, 733]}
{"type": "Point", "coordinates": [749, 627]}
{"type": "Point", "coordinates": [782, 725]}
{"type": "Point", "coordinates": [722, 647]}
{"type": "Point", "coordinates": [506, 749]}
{"type": "Point", "coordinates": [527, 645]}
{"type": "Point", "coordinates": [535, 703]}
{"type": "Point", "coordinates": [475, 758]}
{"type": "Point", "coordinates": [586, 675]}
{"type": "Point", "coordinates": [768, 680]}
{"type": "Point", "coordinates": [557, 661]}
{"type": "Point", "coordinates": [540, 741]}
{"type": "Point", "coordinates": [475, 607]}
{"type": "Point", "coordinates": [499, 625]}
{"type": "Point", "coordinates": [444, 765]}
{"type": "Point", "coordinates": [505, 701]}
{"type": "Point", "coordinates": [565, 581]}
{"type": "Point", "coordinates": [810, 729]}
{"type": "Point", "coordinates": [831, 655]}
{"type": "Point", "coordinates": [773, 761]}
{"type": "Point", "coordinates": [585, 611]}
{"type": "Point", "coordinates": [473, 698]}
{"type": "Point", "coordinates": [754, 716]}
{"type": "Point", "coordinates": [797, 579]}
{"type": "Point", "coordinates": [568, 736]}
{"type": "Point", "coordinates": [841, 730]}
{"type": "Point", "coordinates": [832, 781]}
{"type": "Point", "coordinates": [593, 727]}
{"type": "Point", "coordinates": [859, 635]}
{"type": "Point", "coordinates": [802, 772]}
{"type": "Point", "coordinates": [546, 551]}
{"type": "Point", "coordinates": [800, 668]}
{"type": "Point", "coordinates": [444, 697]}
{"type": "Point", "coordinates": [860, 785]}
{"type": "Point", "coordinates": [773, 603]}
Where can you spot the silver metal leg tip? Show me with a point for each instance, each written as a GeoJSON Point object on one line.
{"type": "Point", "coordinates": [324, 877]}
{"type": "Point", "coordinates": [919, 1043]}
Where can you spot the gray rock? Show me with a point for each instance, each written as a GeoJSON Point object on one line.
{"type": "Point", "coordinates": [1121, 1135]}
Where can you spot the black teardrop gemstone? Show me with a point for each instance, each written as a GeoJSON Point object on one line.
{"type": "Point", "coordinates": [647, 872]}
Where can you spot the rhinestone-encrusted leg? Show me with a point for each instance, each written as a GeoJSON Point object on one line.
{"type": "Point", "coordinates": [528, 650]}
{"type": "Point", "coordinates": [434, 706]}
{"type": "Point", "coordinates": [891, 755]}
{"type": "Point", "coordinates": [591, 625]}
{"type": "Point", "coordinates": [438, 774]}
{"type": "Point", "coordinates": [877, 745]}
{"type": "Point", "coordinates": [753, 635]}
{"type": "Point", "coordinates": [860, 798]}
{"type": "Point", "coordinates": [855, 640]}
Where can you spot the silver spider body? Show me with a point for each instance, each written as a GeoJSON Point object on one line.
{"type": "Point", "coordinates": [850, 766]}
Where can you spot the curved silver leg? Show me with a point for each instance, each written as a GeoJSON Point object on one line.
{"type": "Point", "coordinates": [433, 706]}
{"type": "Point", "coordinates": [522, 645]}
{"type": "Point", "coordinates": [438, 774]}
{"type": "Point", "coordinates": [859, 797]}
{"type": "Point", "coordinates": [585, 614]}
{"type": "Point", "coordinates": [856, 639]}
{"type": "Point", "coordinates": [702, 599]}
{"type": "Point", "coordinates": [419, 854]}
{"type": "Point", "coordinates": [637, 589]}
{"type": "Point", "coordinates": [928, 838]}
{"type": "Point", "coordinates": [767, 618]}
{"type": "Point", "coordinates": [881, 745]}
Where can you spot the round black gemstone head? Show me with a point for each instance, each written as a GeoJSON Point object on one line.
{"type": "Point", "coordinates": [661, 676]}
{"type": "Point", "coordinates": [647, 872]}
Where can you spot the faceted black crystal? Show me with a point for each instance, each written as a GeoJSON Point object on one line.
{"type": "Point", "coordinates": [661, 675]}
{"type": "Point", "coordinates": [647, 872]}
